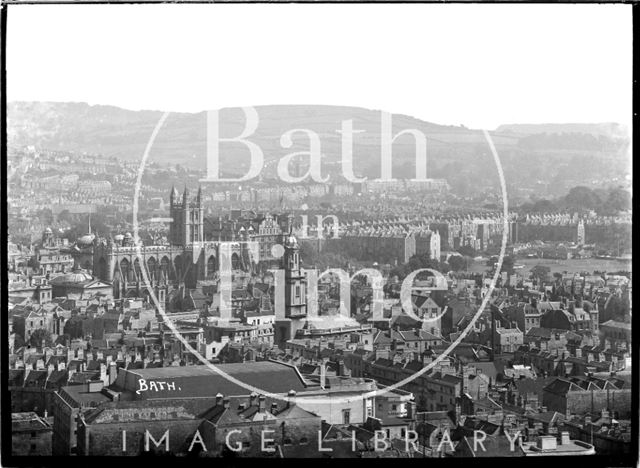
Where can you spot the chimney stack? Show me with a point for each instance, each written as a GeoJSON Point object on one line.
{"type": "Point", "coordinates": [411, 409]}
{"type": "Point", "coordinates": [253, 398]}
{"type": "Point", "coordinates": [219, 397]}
{"type": "Point", "coordinates": [225, 402]}
{"type": "Point", "coordinates": [261, 404]}
{"type": "Point", "coordinates": [291, 400]}
{"type": "Point", "coordinates": [323, 375]}
{"type": "Point", "coordinates": [113, 372]}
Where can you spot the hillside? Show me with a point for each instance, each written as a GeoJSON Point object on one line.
{"type": "Point", "coordinates": [529, 157]}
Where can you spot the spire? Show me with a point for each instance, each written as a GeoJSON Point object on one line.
{"type": "Point", "coordinates": [89, 223]}
{"type": "Point", "coordinates": [185, 195]}
{"type": "Point", "coordinates": [199, 194]}
{"type": "Point", "coordinates": [173, 195]}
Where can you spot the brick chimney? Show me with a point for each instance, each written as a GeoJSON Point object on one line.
{"type": "Point", "coordinates": [253, 398]}
{"type": "Point", "coordinates": [226, 402]}
{"type": "Point", "coordinates": [219, 398]}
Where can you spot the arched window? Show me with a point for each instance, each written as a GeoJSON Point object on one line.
{"type": "Point", "coordinates": [211, 266]}
{"type": "Point", "coordinates": [177, 264]}
{"type": "Point", "coordinates": [164, 264]}
{"type": "Point", "coordinates": [125, 267]}
{"type": "Point", "coordinates": [235, 261]}
{"type": "Point", "coordinates": [137, 269]}
{"type": "Point", "coordinates": [151, 265]}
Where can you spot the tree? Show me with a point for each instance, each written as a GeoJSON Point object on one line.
{"type": "Point", "coordinates": [418, 262]}
{"type": "Point", "coordinates": [308, 253]}
{"type": "Point", "coordinates": [507, 263]}
{"type": "Point", "coordinates": [540, 272]}
{"type": "Point", "coordinates": [64, 215]}
{"type": "Point", "coordinates": [582, 198]}
{"type": "Point", "coordinates": [457, 263]}
{"type": "Point", "coordinates": [38, 336]}
{"type": "Point", "coordinates": [618, 200]}
{"type": "Point", "coordinates": [45, 215]}
{"type": "Point", "coordinates": [543, 205]}
{"type": "Point", "coordinates": [18, 341]}
{"type": "Point", "coordinates": [467, 251]}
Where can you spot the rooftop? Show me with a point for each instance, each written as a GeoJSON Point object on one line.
{"type": "Point", "coordinates": [202, 381]}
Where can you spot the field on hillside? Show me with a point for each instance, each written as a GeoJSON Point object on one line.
{"type": "Point", "coordinates": [560, 266]}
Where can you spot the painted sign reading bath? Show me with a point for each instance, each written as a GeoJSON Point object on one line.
{"type": "Point", "coordinates": [155, 386]}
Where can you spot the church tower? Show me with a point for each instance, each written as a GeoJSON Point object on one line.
{"type": "Point", "coordinates": [187, 218]}
{"type": "Point", "coordinates": [581, 236]}
{"type": "Point", "coordinates": [295, 312]}
{"type": "Point", "coordinates": [434, 246]}
{"type": "Point", "coordinates": [295, 281]}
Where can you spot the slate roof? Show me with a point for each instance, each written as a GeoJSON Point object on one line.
{"type": "Point", "coordinates": [28, 422]}
{"type": "Point", "coordinates": [35, 378]}
{"type": "Point", "coordinates": [16, 377]}
{"type": "Point", "coordinates": [548, 417]}
{"type": "Point", "coordinates": [495, 446]}
{"type": "Point", "coordinates": [198, 381]}
{"type": "Point", "coordinates": [57, 378]}
{"type": "Point", "coordinates": [562, 386]}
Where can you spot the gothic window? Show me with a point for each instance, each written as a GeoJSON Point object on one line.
{"type": "Point", "coordinates": [124, 267]}
{"type": "Point", "coordinates": [164, 265]}
{"type": "Point", "coordinates": [151, 265]}
{"type": "Point", "coordinates": [235, 261]}
{"type": "Point", "coordinates": [211, 266]}
{"type": "Point", "coordinates": [177, 263]}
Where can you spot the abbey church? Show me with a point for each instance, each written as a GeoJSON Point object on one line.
{"type": "Point", "coordinates": [187, 259]}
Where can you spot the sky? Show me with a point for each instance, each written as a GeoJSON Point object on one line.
{"type": "Point", "coordinates": [472, 64]}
